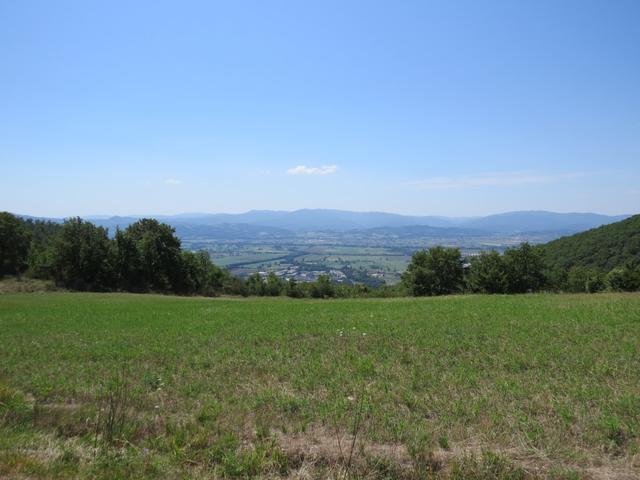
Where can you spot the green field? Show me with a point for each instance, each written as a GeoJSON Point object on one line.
{"type": "Point", "coordinates": [248, 258]}
{"type": "Point", "coordinates": [245, 259]}
{"type": "Point", "coordinates": [396, 263]}
{"type": "Point", "coordinates": [142, 386]}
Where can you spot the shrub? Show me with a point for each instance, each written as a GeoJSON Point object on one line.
{"type": "Point", "coordinates": [524, 269]}
{"type": "Point", "coordinates": [322, 288]}
{"type": "Point", "coordinates": [584, 279]}
{"type": "Point", "coordinates": [623, 279]}
{"type": "Point", "coordinates": [437, 271]}
{"type": "Point", "coordinates": [487, 273]}
{"type": "Point", "coordinates": [82, 256]}
{"type": "Point", "coordinates": [14, 245]}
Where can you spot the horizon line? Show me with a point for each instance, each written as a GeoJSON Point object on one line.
{"type": "Point", "coordinates": [187, 214]}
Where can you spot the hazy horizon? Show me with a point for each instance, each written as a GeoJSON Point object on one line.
{"type": "Point", "coordinates": [188, 214]}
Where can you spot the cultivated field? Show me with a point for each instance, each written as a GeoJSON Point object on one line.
{"type": "Point", "coordinates": [115, 386]}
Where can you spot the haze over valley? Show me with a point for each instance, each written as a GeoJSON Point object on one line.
{"type": "Point", "coordinates": [371, 248]}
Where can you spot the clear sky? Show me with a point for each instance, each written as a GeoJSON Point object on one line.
{"type": "Point", "coordinates": [426, 107]}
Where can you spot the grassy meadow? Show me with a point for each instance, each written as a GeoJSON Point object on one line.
{"type": "Point", "coordinates": [486, 387]}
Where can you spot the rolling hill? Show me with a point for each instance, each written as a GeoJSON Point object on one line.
{"type": "Point", "coordinates": [342, 220]}
{"type": "Point", "coordinates": [313, 220]}
{"type": "Point", "coordinates": [603, 248]}
{"type": "Point", "coordinates": [541, 221]}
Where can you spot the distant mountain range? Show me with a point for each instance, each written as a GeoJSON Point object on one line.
{"type": "Point", "coordinates": [541, 221]}
{"type": "Point", "coordinates": [279, 222]}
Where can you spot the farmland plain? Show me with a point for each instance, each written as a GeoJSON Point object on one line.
{"type": "Point", "coordinates": [144, 386]}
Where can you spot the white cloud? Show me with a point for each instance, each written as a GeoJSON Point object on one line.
{"type": "Point", "coordinates": [492, 179]}
{"type": "Point", "coordinates": [172, 181]}
{"type": "Point", "coordinates": [304, 170]}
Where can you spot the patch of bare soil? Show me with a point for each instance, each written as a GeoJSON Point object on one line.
{"type": "Point", "coordinates": [321, 445]}
{"type": "Point", "coordinates": [320, 448]}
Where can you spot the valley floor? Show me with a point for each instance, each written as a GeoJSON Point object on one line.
{"type": "Point", "coordinates": [145, 386]}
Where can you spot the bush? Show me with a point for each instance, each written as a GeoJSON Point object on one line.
{"type": "Point", "coordinates": [14, 245]}
{"type": "Point", "coordinates": [487, 273]}
{"type": "Point", "coordinates": [155, 256]}
{"type": "Point", "coordinates": [623, 279]}
{"type": "Point", "coordinates": [437, 271]}
{"type": "Point", "coordinates": [584, 280]}
{"type": "Point", "coordinates": [199, 275]}
{"type": "Point", "coordinates": [524, 269]}
{"type": "Point", "coordinates": [322, 288]}
{"type": "Point", "coordinates": [82, 257]}
{"type": "Point", "coordinates": [293, 290]}
{"type": "Point", "coordinates": [274, 287]}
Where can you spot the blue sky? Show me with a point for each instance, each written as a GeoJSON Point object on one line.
{"type": "Point", "coordinates": [448, 107]}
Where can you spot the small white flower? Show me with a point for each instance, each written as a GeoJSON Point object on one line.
{"type": "Point", "coordinates": [351, 398]}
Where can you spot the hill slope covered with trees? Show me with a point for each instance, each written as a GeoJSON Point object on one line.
{"type": "Point", "coordinates": [602, 248]}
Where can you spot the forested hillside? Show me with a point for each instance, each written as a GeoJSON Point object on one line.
{"type": "Point", "coordinates": [603, 248]}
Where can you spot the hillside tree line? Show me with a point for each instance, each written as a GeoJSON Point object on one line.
{"type": "Point", "coordinates": [522, 269]}
{"type": "Point", "coordinates": [145, 257]}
